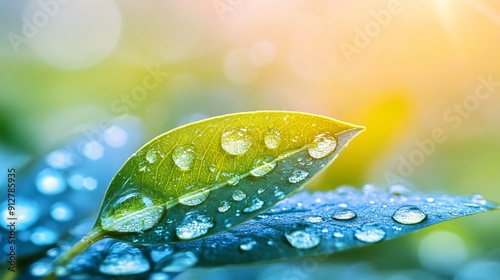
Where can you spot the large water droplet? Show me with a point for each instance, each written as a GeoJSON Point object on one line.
{"type": "Point", "coordinates": [263, 166]}
{"type": "Point", "coordinates": [161, 252]}
{"type": "Point", "coordinates": [247, 244]}
{"type": "Point", "coordinates": [180, 262]}
{"type": "Point", "coordinates": [132, 212]}
{"type": "Point", "coordinates": [61, 212]}
{"type": "Point", "coordinates": [151, 156]}
{"type": "Point", "coordinates": [195, 198]}
{"type": "Point", "coordinates": [256, 205]}
{"type": "Point", "coordinates": [27, 213]}
{"type": "Point", "coordinates": [322, 146]}
{"type": "Point", "coordinates": [370, 234]}
{"type": "Point", "coordinates": [239, 195]}
{"type": "Point", "coordinates": [298, 176]}
{"type": "Point", "coordinates": [50, 182]}
{"type": "Point", "coordinates": [223, 206]}
{"type": "Point", "coordinates": [272, 138]}
{"type": "Point", "coordinates": [194, 225]}
{"type": "Point", "coordinates": [302, 240]}
{"type": "Point", "coordinates": [123, 259]}
{"type": "Point", "coordinates": [236, 141]}
{"type": "Point", "coordinates": [409, 215]}
{"type": "Point", "coordinates": [184, 156]}
{"type": "Point", "coordinates": [344, 214]}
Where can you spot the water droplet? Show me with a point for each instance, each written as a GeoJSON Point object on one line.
{"type": "Point", "coordinates": [298, 176]}
{"type": "Point", "coordinates": [316, 219]}
{"type": "Point", "coordinates": [270, 242]}
{"type": "Point", "coordinates": [263, 166]}
{"type": "Point", "coordinates": [478, 199]}
{"type": "Point", "coordinates": [279, 194]}
{"type": "Point", "coordinates": [325, 230]}
{"type": "Point", "coordinates": [248, 245]}
{"type": "Point", "coordinates": [132, 212]}
{"type": "Point", "coordinates": [60, 159]}
{"type": "Point", "coordinates": [43, 236]}
{"type": "Point", "coordinates": [272, 138]}
{"type": "Point", "coordinates": [194, 198]}
{"type": "Point", "coordinates": [302, 240]}
{"type": "Point", "coordinates": [184, 156]}
{"type": "Point", "coordinates": [338, 234]}
{"type": "Point", "coordinates": [223, 206]}
{"type": "Point", "coordinates": [344, 214]}
{"type": "Point", "coordinates": [41, 268]}
{"type": "Point", "coordinates": [236, 141]}
{"type": "Point", "coordinates": [370, 234]}
{"type": "Point", "coordinates": [161, 252]}
{"type": "Point", "coordinates": [151, 156]}
{"type": "Point", "coordinates": [322, 146]}
{"type": "Point", "coordinates": [409, 215]}
{"type": "Point", "coordinates": [61, 212]}
{"type": "Point", "coordinates": [180, 262]}
{"type": "Point", "coordinates": [194, 225]}
{"type": "Point", "coordinates": [123, 259]}
{"type": "Point", "coordinates": [256, 205]}
{"type": "Point", "coordinates": [261, 190]}
{"type": "Point", "coordinates": [50, 182]}
{"type": "Point", "coordinates": [239, 195]}
{"type": "Point", "coordinates": [430, 199]}
{"type": "Point", "coordinates": [27, 213]}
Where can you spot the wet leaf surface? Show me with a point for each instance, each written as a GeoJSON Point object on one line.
{"type": "Point", "coordinates": [304, 225]}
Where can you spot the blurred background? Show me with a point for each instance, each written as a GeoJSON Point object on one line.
{"type": "Point", "coordinates": [422, 76]}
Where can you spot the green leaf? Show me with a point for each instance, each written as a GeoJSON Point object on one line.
{"type": "Point", "coordinates": [303, 225]}
{"type": "Point", "coordinates": [206, 177]}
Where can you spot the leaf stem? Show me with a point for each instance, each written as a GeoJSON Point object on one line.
{"type": "Point", "coordinates": [65, 258]}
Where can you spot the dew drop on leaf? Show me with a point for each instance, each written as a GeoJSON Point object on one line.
{"type": "Point", "coordinates": [248, 245]}
{"type": "Point", "coordinates": [119, 216]}
{"type": "Point", "coordinates": [279, 194]}
{"type": "Point", "coordinates": [256, 205]}
{"type": "Point", "coordinates": [409, 215]}
{"type": "Point", "coordinates": [322, 146]}
{"type": "Point", "coordinates": [478, 199]}
{"type": "Point", "coordinates": [223, 206]}
{"type": "Point", "coordinates": [263, 166]}
{"type": "Point", "coordinates": [344, 214]}
{"type": "Point", "coordinates": [272, 138]}
{"type": "Point", "coordinates": [239, 195]}
{"type": "Point", "coordinates": [123, 259]}
{"type": "Point", "coordinates": [160, 252]}
{"type": "Point", "coordinates": [196, 198]}
{"type": "Point", "coordinates": [298, 176]}
{"type": "Point", "coordinates": [151, 156]}
{"type": "Point", "coordinates": [261, 190]}
{"type": "Point", "coordinates": [180, 262]}
{"type": "Point", "coordinates": [184, 156]}
{"type": "Point", "coordinates": [194, 225]}
{"type": "Point", "coordinates": [302, 240]}
{"type": "Point", "coordinates": [370, 234]}
{"type": "Point", "coordinates": [236, 141]}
